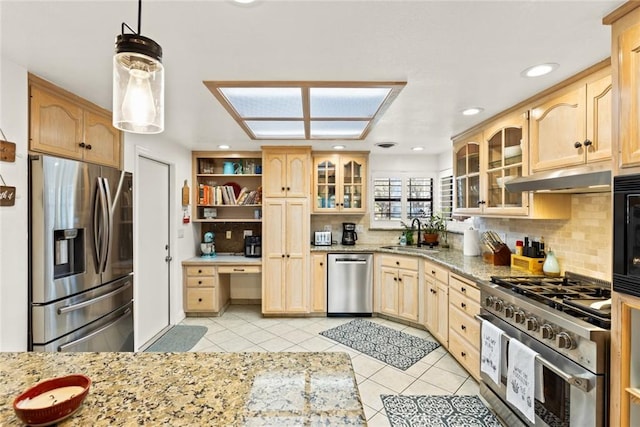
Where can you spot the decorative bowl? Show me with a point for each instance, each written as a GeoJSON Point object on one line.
{"type": "Point", "coordinates": [52, 400]}
{"type": "Point", "coordinates": [512, 151]}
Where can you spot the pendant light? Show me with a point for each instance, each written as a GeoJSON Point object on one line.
{"type": "Point", "coordinates": [138, 82]}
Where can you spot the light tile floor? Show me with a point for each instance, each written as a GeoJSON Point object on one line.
{"type": "Point", "coordinates": [242, 328]}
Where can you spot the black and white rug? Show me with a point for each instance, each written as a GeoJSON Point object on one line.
{"type": "Point", "coordinates": [438, 411]}
{"type": "Point", "coordinates": [393, 347]}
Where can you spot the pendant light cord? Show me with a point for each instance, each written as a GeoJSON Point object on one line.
{"type": "Point", "coordinates": [124, 24]}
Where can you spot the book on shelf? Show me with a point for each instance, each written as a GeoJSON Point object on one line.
{"type": "Point", "coordinates": [215, 195]}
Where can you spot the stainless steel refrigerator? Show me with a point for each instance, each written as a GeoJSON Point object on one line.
{"type": "Point", "coordinates": [81, 256]}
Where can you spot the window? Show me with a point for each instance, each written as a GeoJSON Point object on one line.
{"type": "Point", "coordinates": [446, 196]}
{"type": "Point", "coordinates": [400, 198]}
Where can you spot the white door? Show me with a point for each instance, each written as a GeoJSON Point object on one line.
{"type": "Point", "coordinates": [152, 277]}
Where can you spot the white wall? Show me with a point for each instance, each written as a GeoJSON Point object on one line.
{"type": "Point", "coordinates": [13, 219]}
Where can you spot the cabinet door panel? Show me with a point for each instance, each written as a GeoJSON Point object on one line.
{"type": "Point", "coordinates": [56, 125]}
{"type": "Point", "coordinates": [556, 125]}
{"type": "Point", "coordinates": [443, 314]}
{"type": "Point", "coordinates": [295, 288]}
{"type": "Point", "coordinates": [408, 295]}
{"type": "Point", "coordinates": [275, 175]}
{"type": "Point", "coordinates": [103, 138]}
{"type": "Point", "coordinates": [629, 121]}
{"type": "Point", "coordinates": [297, 175]}
{"type": "Point", "coordinates": [389, 291]}
{"type": "Point", "coordinates": [273, 256]}
{"type": "Point", "coordinates": [296, 246]}
{"type": "Point", "coordinates": [319, 283]}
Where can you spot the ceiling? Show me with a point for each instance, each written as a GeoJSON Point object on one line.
{"type": "Point", "coordinates": [453, 55]}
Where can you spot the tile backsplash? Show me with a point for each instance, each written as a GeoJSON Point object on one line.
{"type": "Point", "coordinates": [582, 244]}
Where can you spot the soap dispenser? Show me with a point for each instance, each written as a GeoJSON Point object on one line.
{"type": "Point", "coordinates": [551, 267]}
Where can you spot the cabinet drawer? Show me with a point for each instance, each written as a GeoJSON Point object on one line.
{"type": "Point", "coordinates": [433, 270]}
{"type": "Point", "coordinates": [468, 356]}
{"type": "Point", "coordinates": [200, 282]}
{"type": "Point", "coordinates": [463, 303]}
{"type": "Point", "coordinates": [400, 262]}
{"type": "Point", "coordinates": [201, 271]}
{"type": "Point", "coordinates": [464, 287]}
{"type": "Point", "coordinates": [466, 326]}
{"type": "Point", "coordinates": [239, 269]}
{"type": "Point", "coordinates": [201, 300]}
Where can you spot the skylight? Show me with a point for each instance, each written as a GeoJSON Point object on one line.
{"type": "Point", "coordinates": [306, 110]}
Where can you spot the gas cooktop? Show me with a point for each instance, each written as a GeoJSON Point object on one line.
{"type": "Point", "coordinates": [575, 295]}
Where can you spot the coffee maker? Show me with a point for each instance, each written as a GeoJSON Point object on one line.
{"type": "Point", "coordinates": [349, 235]}
{"type": "Point", "coordinates": [207, 247]}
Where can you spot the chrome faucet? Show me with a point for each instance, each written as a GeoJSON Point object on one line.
{"type": "Point", "coordinates": [413, 222]}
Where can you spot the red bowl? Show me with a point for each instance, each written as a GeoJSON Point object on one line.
{"type": "Point", "coordinates": [49, 402]}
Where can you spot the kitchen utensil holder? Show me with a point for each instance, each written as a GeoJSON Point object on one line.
{"type": "Point", "coordinates": [501, 255]}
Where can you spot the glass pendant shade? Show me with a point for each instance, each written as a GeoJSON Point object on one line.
{"type": "Point", "coordinates": [138, 85]}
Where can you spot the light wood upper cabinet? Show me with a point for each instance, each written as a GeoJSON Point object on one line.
{"type": "Point", "coordinates": [466, 172]}
{"type": "Point", "coordinates": [573, 126]}
{"type": "Point", "coordinates": [628, 44]}
{"type": "Point", "coordinates": [339, 182]}
{"type": "Point", "coordinates": [286, 172]}
{"type": "Point", "coordinates": [65, 125]}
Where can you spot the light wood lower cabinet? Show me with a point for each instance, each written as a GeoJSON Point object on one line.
{"type": "Point", "coordinates": [399, 287]}
{"type": "Point", "coordinates": [464, 329]}
{"type": "Point", "coordinates": [319, 283]}
{"type": "Point", "coordinates": [436, 305]}
{"type": "Point", "coordinates": [201, 289]}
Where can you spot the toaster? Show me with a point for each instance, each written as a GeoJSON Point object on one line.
{"type": "Point", "coordinates": [322, 238]}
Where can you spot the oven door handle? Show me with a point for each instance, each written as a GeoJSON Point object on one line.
{"type": "Point", "coordinates": [581, 383]}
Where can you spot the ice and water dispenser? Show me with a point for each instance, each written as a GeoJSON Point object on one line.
{"type": "Point", "coordinates": [68, 250]}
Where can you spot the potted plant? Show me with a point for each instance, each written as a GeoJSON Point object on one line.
{"type": "Point", "coordinates": [433, 226]}
{"type": "Point", "coordinates": [408, 233]}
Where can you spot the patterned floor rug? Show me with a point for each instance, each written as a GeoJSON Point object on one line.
{"type": "Point", "coordinates": [438, 411]}
{"type": "Point", "coordinates": [393, 347]}
{"type": "Point", "coordinates": [178, 338]}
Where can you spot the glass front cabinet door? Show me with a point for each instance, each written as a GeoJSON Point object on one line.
{"type": "Point", "coordinates": [340, 183]}
{"type": "Point", "coordinates": [504, 162]}
{"type": "Point", "coordinates": [466, 165]}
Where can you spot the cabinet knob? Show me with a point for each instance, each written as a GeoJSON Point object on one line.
{"type": "Point", "coordinates": [463, 305]}
{"type": "Point", "coordinates": [81, 145]}
{"type": "Point", "coordinates": [282, 188]}
{"type": "Point", "coordinates": [395, 279]}
{"type": "Point", "coordinates": [397, 262]}
{"type": "Point", "coordinates": [587, 143]}
{"type": "Point", "coordinates": [199, 271]}
{"type": "Point", "coordinates": [463, 354]}
{"type": "Point", "coordinates": [463, 327]}
{"type": "Point", "coordinates": [399, 279]}
{"type": "Point", "coordinates": [321, 264]}
{"type": "Point", "coordinates": [88, 147]}
{"type": "Point", "coordinates": [287, 255]}
{"type": "Point", "coordinates": [288, 188]}
{"type": "Point", "coordinates": [199, 299]}
{"type": "Point", "coordinates": [199, 282]}
{"type": "Point", "coordinates": [282, 255]}
{"type": "Point", "coordinates": [433, 272]}
{"type": "Point", "coordinates": [577, 144]}
{"type": "Point", "coordinates": [463, 290]}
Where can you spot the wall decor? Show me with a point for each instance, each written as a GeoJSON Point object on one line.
{"type": "Point", "coordinates": [7, 194]}
{"type": "Point", "coordinates": [7, 149]}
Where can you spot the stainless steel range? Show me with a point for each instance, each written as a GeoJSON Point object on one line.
{"type": "Point", "coordinates": [567, 322]}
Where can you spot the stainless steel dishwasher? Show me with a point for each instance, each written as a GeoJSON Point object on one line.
{"type": "Point", "coordinates": [350, 284]}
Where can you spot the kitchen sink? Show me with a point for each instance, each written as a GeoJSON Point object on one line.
{"type": "Point", "coordinates": [413, 249]}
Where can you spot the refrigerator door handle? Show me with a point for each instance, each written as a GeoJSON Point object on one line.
{"type": "Point", "coordinates": [109, 222]}
{"type": "Point", "coordinates": [74, 307]}
{"type": "Point", "coordinates": [100, 224]}
{"type": "Point", "coordinates": [94, 333]}
{"type": "Point", "coordinates": [97, 228]}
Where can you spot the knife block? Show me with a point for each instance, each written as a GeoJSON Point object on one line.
{"type": "Point", "coordinates": [500, 256]}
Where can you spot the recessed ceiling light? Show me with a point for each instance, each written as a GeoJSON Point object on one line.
{"type": "Point", "coordinates": [472, 111]}
{"type": "Point", "coordinates": [223, 147]}
{"type": "Point", "coordinates": [539, 70]}
{"type": "Point", "coordinates": [417, 148]}
{"type": "Point", "coordinates": [244, 1]}
{"type": "Point", "coordinates": [338, 147]}
{"type": "Point", "coordinates": [385, 144]}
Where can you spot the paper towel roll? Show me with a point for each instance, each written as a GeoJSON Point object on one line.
{"type": "Point", "coordinates": [471, 246]}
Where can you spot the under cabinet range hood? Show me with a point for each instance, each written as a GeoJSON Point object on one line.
{"type": "Point", "coordinates": [585, 179]}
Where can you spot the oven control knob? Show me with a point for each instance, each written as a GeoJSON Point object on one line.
{"type": "Point", "coordinates": [488, 301]}
{"type": "Point", "coordinates": [498, 304]}
{"type": "Point", "coordinates": [532, 324]}
{"type": "Point", "coordinates": [519, 316]}
{"type": "Point", "coordinates": [508, 311]}
{"type": "Point", "coordinates": [565, 341]}
{"type": "Point", "coordinates": [547, 332]}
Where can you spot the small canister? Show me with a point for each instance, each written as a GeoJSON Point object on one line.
{"type": "Point", "coordinates": [519, 246]}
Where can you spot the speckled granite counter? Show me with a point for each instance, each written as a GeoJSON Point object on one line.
{"type": "Point", "coordinates": [216, 389]}
{"type": "Point", "coordinates": [472, 267]}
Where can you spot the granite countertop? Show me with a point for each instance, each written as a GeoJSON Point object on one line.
{"type": "Point", "coordinates": [218, 389]}
{"type": "Point", "coordinates": [223, 259]}
{"type": "Point", "coordinates": [472, 267]}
